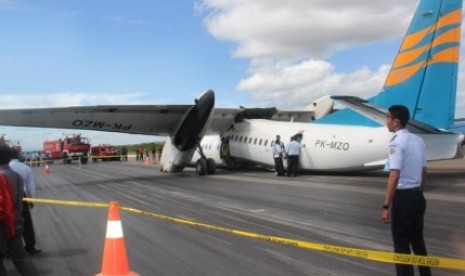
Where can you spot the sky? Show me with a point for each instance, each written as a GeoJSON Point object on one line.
{"type": "Point", "coordinates": [252, 53]}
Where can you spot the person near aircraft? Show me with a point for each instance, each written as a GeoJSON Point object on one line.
{"type": "Point", "coordinates": [278, 155]}
{"type": "Point", "coordinates": [293, 153]}
{"type": "Point", "coordinates": [404, 195]}
{"type": "Point", "coordinates": [124, 152]}
{"type": "Point", "coordinates": [14, 245]}
{"type": "Point", "coordinates": [424, 73]}
{"type": "Point", "coordinates": [141, 154]}
{"type": "Point", "coordinates": [29, 191]}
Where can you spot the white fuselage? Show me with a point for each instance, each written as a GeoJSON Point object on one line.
{"type": "Point", "coordinates": [323, 147]}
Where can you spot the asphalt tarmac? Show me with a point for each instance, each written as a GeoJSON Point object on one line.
{"type": "Point", "coordinates": [339, 209]}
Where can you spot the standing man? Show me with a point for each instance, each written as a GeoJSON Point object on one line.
{"type": "Point", "coordinates": [278, 154]}
{"type": "Point", "coordinates": [124, 152]}
{"type": "Point", "coordinates": [15, 244]}
{"type": "Point", "coordinates": [29, 191]}
{"type": "Point", "coordinates": [404, 195]}
{"type": "Point", "coordinates": [293, 152]}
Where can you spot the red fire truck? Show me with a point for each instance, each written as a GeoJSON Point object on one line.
{"type": "Point", "coordinates": [71, 147]}
{"type": "Point", "coordinates": [105, 152]}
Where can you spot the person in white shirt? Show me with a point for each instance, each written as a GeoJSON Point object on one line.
{"type": "Point", "coordinates": [278, 155]}
{"type": "Point", "coordinates": [25, 172]}
{"type": "Point", "coordinates": [293, 153]}
{"type": "Point", "coordinates": [14, 245]}
{"type": "Point", "coordinates": [404, 195]}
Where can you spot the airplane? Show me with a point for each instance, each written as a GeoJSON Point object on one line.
{"type": "Point", "coordinates": [423, 77]}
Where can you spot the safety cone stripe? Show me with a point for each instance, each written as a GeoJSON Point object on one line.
{"type": "Point", "coordinates": [47, 169]}
{"type": "Point", "coordinates": [115, 259]}
{"type": "Point", "coordinates": [114, 230]}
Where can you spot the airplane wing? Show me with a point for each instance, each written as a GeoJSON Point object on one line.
{"type": "Point", "coordinates": [378, 114]}
{"type": "Point", "coordinates": [163, 120]}
{"type": "Point", "coordinates": [137, 119]}
{"type": "Point", "coordinates": [223, 118]}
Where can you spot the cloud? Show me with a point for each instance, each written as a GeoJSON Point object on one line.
{"type": "Point", "coordinates": [286, 84]}
{"type": "Point", "coordinates": [301, 28]}
{"type": "Point", "coordinates": [122, 20]}
{"type": "Point", "coordinates": [288, 43]}
{"type": "Point", "coordinates": [70, 99]}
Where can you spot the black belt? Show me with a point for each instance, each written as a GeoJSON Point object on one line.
{"type": "Point", "coordinates": [404, 191]}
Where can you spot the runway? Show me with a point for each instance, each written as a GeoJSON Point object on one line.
{"type": "Point", "coordinates": [341, 210]}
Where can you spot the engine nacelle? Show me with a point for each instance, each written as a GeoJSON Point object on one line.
{"type": "Point", "coordinates": [180, 147]}
{"type": "Point", "coordinates": [172, 159]}
{"type": "Point", "coordinates": [194, 124]}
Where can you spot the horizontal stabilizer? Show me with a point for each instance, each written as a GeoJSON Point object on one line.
{"type": "Point", "coordinates": [378, 114]}
{"type": "Point", "coordinates": [458, 126]}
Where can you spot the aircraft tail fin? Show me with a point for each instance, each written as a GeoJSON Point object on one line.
{"type": "Point", "coordinates": [424, 74]}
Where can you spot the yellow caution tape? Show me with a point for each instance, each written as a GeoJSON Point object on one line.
{"type": "Point", "coordinates": [67, 202]}
{"type": "Point", "coordinates": [380, 256]}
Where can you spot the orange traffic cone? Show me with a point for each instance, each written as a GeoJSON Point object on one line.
{"type": "Point", "coordinates": [47, 169]}
{"type": "Point", "coordinates": [115, 258]}
{"type": "Point", "coordinates": [147, 161]}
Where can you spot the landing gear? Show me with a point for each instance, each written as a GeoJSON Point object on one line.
{"type": "Point", "coordinates": [204, 165]}
{"type": "Point", "coordinates": [201, 167]}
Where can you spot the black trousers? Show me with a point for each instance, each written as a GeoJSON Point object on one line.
{"type": "Point", "coordinates": [29, 235]}
{"type": "Point", "coordinates": [292, 165]}
{"type": "Point", "coordinates": [14, 247]}
{"type": "Point", "coordinates": [408, 209]}
{"type": "Point", "coordinates": [278, 166]}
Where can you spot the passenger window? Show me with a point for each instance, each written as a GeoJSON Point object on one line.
{"type": "Point", "coordinates": [255, 141]}
{"type": "Point", "coordinates": [266, 142]}
{"type": "Point", "coordinates": [250, 140]}
{"type": "Point", "coordinates": [260, 142]}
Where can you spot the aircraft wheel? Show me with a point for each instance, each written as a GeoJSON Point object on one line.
{"type": "Point", "coordinates": [201, 166]}
{"type": "Point", "coordinates": [211, 166]}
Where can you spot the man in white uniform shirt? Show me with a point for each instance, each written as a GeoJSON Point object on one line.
{"type": "Point", "coordinates": [293, 152]}
{"type": "Point", "coordinates": [29, 190]}
{"type": "Point", "coordinates": [278, 154]}
{"type": "Point", "coordinates": [404, 195]}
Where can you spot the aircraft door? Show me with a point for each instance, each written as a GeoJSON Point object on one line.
{"type": "Point", "coordinates": [225, 153]}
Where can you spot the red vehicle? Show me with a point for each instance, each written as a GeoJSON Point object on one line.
{"type": "Point", "coordinates": [105, 152]}
{"type": "Point", "coordinates": [71, 147]}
